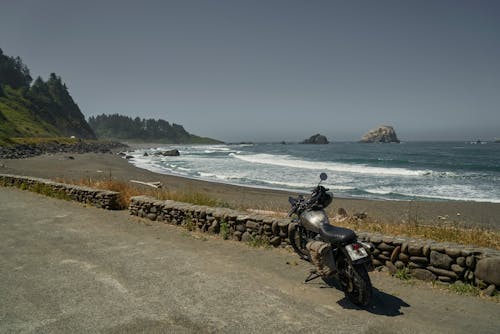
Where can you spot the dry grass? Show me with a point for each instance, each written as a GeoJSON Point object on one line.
{"type": "Point", "coordinates": [443, 233]}
{"type": "Point", "coordinates": [128, 190]}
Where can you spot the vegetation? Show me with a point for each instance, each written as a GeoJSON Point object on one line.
{"type": "Point", "coordinates": [258, 242]}
{"type": "Point", "coordinates": [189, 224]}
{"type": "Point", "coordinates": [403, 274]}
{"type": "Point", "coordinates": [442, 233]}
{"type": "Point", "coordinates": [43, 140]}
{"type": "Point", "coordinates": [465, 289]}
{"type": "Point", "coordinates": [42, 189]}
{"type": "Point", "coordinates": [128, 190]}
{"type": "Point", "coordinates": [121, 127]}
{"type": "Point", "coordinates": [41, 109]}
{"type": "Point", "coordinates": [224, 230]}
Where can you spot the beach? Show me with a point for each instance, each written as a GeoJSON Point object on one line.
{"type": "Point", "coordinates": [96, 166]}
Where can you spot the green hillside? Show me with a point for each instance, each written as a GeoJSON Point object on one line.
{"type": "Point", "coordinates": [17, 118]}
{"type": "Point", "coordinates": [41, 109]}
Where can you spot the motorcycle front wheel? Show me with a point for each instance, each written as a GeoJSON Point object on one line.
{"type": "Point", "coordinates": [355, 283]}
{"type": "Point", "coordinates": [298, 240]}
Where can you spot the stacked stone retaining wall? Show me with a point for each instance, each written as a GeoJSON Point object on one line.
{"type": "Point", "coordinates": [425, 259]}
{"type": "Point", "coordinates": [95, 197]}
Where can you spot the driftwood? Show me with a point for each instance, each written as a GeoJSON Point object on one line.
{"type": "Point", "coordinates": [150, 184]}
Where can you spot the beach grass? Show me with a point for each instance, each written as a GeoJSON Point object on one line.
{"type": "Point", "coordinates": [475, 236]}
{"type": "Point", "coordinates": [128, 190]}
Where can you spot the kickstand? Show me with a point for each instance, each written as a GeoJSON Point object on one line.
{"type": "Point", "coordinates": [313, 274]}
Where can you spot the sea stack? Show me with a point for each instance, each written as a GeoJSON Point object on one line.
{"type": "Point", "coordinates": [316, 139]}
{"type": "Point", "coordinates": [382, 134]}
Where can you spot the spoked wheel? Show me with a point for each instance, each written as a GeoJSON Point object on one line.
{"type": "Point", "coordinates": [355, 283]}
{"type": "Point", "coordinates": [298, 240]}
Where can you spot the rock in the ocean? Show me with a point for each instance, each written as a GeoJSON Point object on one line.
{"type": "Point", "coordinates": [169, 153]}
{"type": "Point", "coordinates": [316, 139]}
{"type": "Point", "coordinates": [382, 134]}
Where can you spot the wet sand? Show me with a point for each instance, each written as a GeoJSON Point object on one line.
{"type": "Point", "coordinates": [105, 166]}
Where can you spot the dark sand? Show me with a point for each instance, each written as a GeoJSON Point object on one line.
{"type": "Point", "coordinates": [103, 166]}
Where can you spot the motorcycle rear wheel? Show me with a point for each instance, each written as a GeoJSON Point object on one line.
{"type": "Point", "coordinates": [356, 283]}
{"type": "Point", "coordinates": [298, 240]}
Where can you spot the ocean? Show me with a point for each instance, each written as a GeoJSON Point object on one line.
{"type": "Point", "coordinates": [407, 171]}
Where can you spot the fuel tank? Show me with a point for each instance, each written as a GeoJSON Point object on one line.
{"type": "Point", "coordinates": [312, 220]}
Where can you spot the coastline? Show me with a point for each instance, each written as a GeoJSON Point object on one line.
{"type": "Point", "coordinates": [110, 166]}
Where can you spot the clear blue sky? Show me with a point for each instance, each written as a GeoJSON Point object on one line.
{"type": "Point", "coordinates": [272, 70]}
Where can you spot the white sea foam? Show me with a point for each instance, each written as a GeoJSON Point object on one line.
{"type": "Point", "coordinates": [455, 198]}
{"type": "Point", "coordinates": [287, 161]}
{"type": "Point", "coordinates": [380, 191]}
{"type": "Point", "coordinates": [205, 175]}
{"type": "Point", "coordinates": [288, 184]}
{"type": "Point", "coordinates": [218, 148]}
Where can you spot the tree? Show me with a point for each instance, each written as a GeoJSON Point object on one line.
{"type": "Point", "coordinates": [13, 72]}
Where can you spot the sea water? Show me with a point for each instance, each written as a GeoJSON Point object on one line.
{"type": "Point", "coordinates": [406, 171]}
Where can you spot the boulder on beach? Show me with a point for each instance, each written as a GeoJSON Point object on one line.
{"type": "Point", "coordinates": [316, 139]}
{"type": "Point", "coordinates": [382, 134]}
{"type": "Point", "coordinates": [169, 153]}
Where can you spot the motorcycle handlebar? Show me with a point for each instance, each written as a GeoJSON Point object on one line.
{"type": "Point", "coordinates": [301, 203]}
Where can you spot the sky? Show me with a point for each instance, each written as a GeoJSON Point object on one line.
{"type": "Point", "coordinates": [272, 70]}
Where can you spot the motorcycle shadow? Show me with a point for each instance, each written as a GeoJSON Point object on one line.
{"type": "Point", "coordinates": [382, 303]}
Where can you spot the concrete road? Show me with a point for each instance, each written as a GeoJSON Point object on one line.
{"type": "Point", "coordinates": [66, 268]}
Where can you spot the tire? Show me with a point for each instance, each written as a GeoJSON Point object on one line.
{"type": "Point", "coordinates": [356, 283]}
{"type": "Point", "coordinates": [298, 240]}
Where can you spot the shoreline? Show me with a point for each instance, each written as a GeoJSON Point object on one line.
{"type": "Point", "coordinates": [97, 166]}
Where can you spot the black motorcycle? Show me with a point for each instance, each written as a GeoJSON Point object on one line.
{"type": "Point", "coordinates": [335, 251]}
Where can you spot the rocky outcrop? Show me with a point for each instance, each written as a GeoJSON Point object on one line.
{"type": "Point", "coordinates": [316, 139]}
{"type": "Point", "coordinates": [382, 134]}
{"type": "Point", "coordinates": [168, 153]}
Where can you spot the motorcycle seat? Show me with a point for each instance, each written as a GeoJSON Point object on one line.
{"type": "Point", "coordinates": [336, 235]}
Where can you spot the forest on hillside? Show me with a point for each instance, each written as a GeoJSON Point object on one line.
{"type": "Point", "coordinates": [37, 109]}
{"type": "Point", "coordinates": [122, 127]}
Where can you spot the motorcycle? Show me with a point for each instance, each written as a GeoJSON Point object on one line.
{"type": "Point", "coordinates": [335, 251]}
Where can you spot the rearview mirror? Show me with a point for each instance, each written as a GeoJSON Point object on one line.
{"type": "Point", "coordinates": [323, 176]}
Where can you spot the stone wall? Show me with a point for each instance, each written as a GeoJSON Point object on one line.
{"type": "Point", "coordinates": [95, 197]}
{"type": "Point", "coordinates": [426, 260]}
{"type": "Point", "coordinates": [236, 225]}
